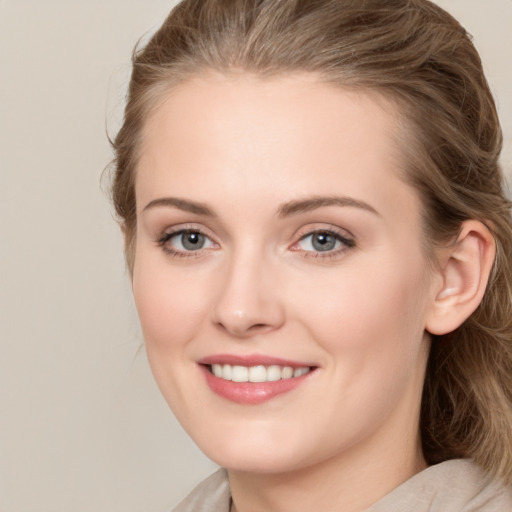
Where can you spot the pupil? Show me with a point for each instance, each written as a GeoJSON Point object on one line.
{"type": "Point", "coordinates": [324, 242]}
{"type": "Point", "coordinates": [192, 240]}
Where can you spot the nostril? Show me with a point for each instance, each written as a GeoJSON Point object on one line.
{"type": "Point", "coordinates": [244, 330]}
{"type": "Point", "coordinates": [258, 327]}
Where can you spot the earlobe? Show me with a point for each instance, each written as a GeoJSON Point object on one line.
{"type": "Point", "coordinates": [465, 271]}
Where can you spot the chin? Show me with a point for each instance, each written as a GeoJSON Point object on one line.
{"type": "Point", "coordinates": [251, 462]}
{"type": "Point", "coordinates": [254, 453]}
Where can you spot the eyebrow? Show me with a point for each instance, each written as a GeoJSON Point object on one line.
{"type": "Point", "coordinates": [181, 204]}
{"type": "Point", "coordinates": [294, 207]}
{"type": "Point", "coordinates": [306, 205]}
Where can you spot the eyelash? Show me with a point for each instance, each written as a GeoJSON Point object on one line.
{"type": "Point", "coordinates": [177, 253]}
{"type": "Point", "coordinates": [346, 242]}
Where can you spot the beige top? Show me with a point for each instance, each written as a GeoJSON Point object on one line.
{"type": "Point", "coordinates": [452, 486]}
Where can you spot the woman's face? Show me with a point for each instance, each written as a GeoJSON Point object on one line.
{"type": "Point", "coordinates": [277, 243]}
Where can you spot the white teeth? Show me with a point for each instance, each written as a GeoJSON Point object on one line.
{"type": "Point", "coordinates": [240, 374]}
{"type": "Point", "coordinates": [227, 372]}
{"type": "Point", "coordinates": [287, 372]}
{"type": "Point", "coordinates": [259, 373]}
{"type": "Point", "coordinates": [298, 372]}
{"type": "Point", "coordinates": [217, 370]}
{"type": "Point", "coordinates": [273, 373]}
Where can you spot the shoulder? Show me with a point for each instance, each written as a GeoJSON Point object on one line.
{"type": "Point", "coordinates": [211, 495]}
{"type": "Point", "coordinates": [452, 486]}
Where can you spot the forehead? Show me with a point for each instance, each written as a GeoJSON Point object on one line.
{"type": "Point", "coordinates": [298, 105]}
{"type": "Point", "coordinates": [283, 136]}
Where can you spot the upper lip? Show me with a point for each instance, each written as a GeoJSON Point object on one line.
{"type": "Point", "coordinates": [251, 360]}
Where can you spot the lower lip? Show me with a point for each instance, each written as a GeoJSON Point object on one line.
{"type": "Point", "coordinates": [251, 393]}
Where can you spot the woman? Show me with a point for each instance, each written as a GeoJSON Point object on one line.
{"type": "Point", "coordinates": [320, 251]}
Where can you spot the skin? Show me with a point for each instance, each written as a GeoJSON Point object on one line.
{"type": "Point", "coordinates": [246, 148]}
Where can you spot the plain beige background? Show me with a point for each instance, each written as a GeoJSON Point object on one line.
{"type": "Point", "coordinates": [82, 425]}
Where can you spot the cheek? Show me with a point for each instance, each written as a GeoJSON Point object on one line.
{"type": "Point", "coordinates": [371, 330]}
{"type": "Point", "coordinates": [168, 304]}
{"type": "Point", "coordinates": [171, 313]}
{"type": "Point", "coordinates": [370, 316]}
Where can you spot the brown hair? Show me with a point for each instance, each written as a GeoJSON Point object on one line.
{"type": "Point", "coordinates": [417, 55]}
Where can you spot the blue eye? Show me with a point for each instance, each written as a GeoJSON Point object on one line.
{"type": "Point", "coordinates": [187, 240]}
{"type": "Point", "coordinates": [324, 241]}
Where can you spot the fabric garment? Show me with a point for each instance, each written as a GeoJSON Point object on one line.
{"type": "Point", "coordinates": [452, 486]}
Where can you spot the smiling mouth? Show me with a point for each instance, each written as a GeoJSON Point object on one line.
{"type": "Point", "coordinates": [259, 373]}
{"type": "Point", "coordinates": [253, 379]}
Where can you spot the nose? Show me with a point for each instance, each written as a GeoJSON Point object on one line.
{"type": "Point", "coordinates": [248, 301]}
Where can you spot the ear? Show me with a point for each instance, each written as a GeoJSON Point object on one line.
{"type": "Point", "coordinates": [465, 269]}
